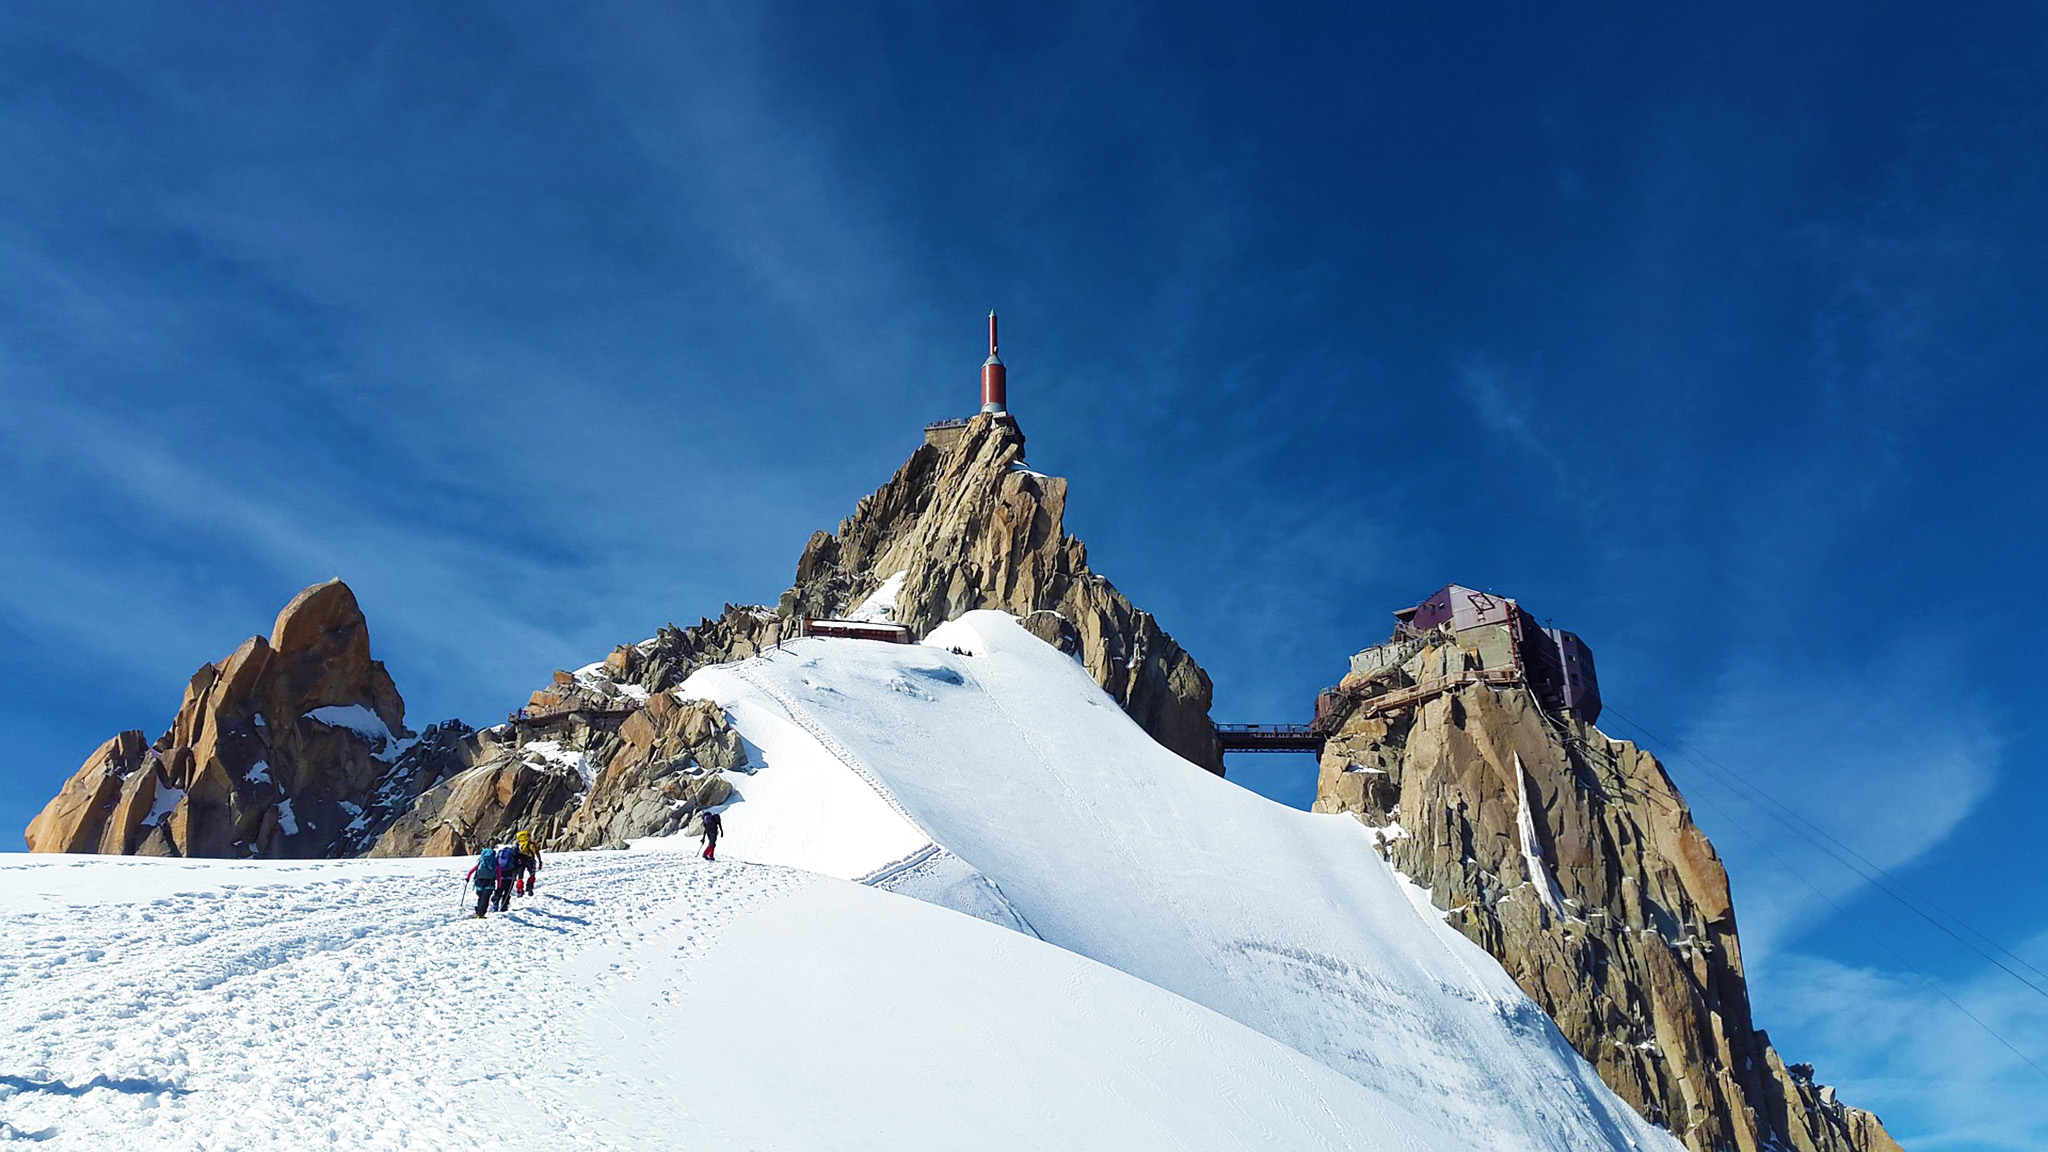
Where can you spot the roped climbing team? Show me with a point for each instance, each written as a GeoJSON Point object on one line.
{"type": "Point", "coordinates": [504, 871]}
{"type": "Point", "coordinates": [507, 870]}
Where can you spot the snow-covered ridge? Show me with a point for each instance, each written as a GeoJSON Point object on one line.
{"type": "Point", "coordinates": [1168, 961]}
{"type": "Point", "coordinates": [1048, 809]}
{"type": "Point", "coordinates": [640, 1000]}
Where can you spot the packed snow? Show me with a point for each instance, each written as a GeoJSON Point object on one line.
{"type": "Point", "coordinates": [962, 902]}
{"type": "Point", "coordinates": [598, 676]}
{"type": "Point", "coordinates": [1011, 761]}
{"type": "Point", "coordinates": [1540, 874]}
{"type": "Point", "coordinates": [881, 605]}
{"type": "Point", "coordinates": [551, 754]}
{"type": "Point", "coordinates": [167, 799]}
{"type": "Point", "coordinates": [365, 723]}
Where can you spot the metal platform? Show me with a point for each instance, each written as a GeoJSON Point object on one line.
{"type": "Point", "coordinates": [1269, 738]}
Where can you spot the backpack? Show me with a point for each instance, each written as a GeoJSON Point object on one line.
{"type": "Point", "coordinates": [487, 866]}
{"type": "Point", "coordinates": [508, 859]}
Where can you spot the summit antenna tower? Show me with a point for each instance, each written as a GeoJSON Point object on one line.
{"type": "Point", "coordinates": [993, 397]}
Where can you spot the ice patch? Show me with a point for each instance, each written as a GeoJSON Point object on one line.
{"type": "Point", "coordinates": [882, 605]}
{"type": "Point", "coordinates": [365, 723]}
{"type": "Point", "coordinates": [1532, 852]}
{"type": "Point", "coordinates": [167, 798]}
{"type": "Point", "coordinates": [598, 677]}
{"type": "Point", "coordinates": [551, 754]}
{"type": "Point", "coordinates": [286, 821]}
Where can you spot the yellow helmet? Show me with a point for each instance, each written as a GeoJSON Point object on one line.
{"type": "Point", "coordinates": [525, 841]}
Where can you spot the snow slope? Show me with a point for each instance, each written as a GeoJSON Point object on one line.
{"type": "Point", "coordinates": [642, 1000]}
{"type": "Point", "coordinates": [1041, 803]}
{"type": "Point", "coordinates": [1168, 962]}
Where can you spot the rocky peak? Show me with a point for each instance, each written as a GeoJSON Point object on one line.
{"type": "Point", "coordinates": [970, 526]}
{"type": "Point", "coordinates": [292, 746]}
{"type": "Point", "coordinates": [1574, 860]}
{"type": "Point", "coordinates": [604, 754]}
{"type": "Point", "coordinates": [320, 658]}
{"type": "Point", "coordinates": [295, 745]}
{"type": "Point", "coordinates": [962, 525]}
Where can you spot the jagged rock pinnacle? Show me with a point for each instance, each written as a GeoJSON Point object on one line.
{"type": "Point", "coordinates": [290, 747]}
{"type": "Point", "coordinates": [1573, 859]}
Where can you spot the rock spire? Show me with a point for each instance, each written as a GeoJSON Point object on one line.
{"type": "Point", "coordinates": [293, 746]}
{"type": "Point", "coordinates": [1574, 860]}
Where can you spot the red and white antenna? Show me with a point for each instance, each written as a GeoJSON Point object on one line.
{"type": "Point", "coordinates": [992, 382]}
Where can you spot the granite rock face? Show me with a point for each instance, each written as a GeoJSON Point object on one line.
{"type": "Point", "coordinates": [294, 746]}
{"type": "Point", "coordinates": [604, 767]}
{"type": "Point", "coordinates": [665, 771]}
{"type": "Point", "coordinates": [1574, 860]}
{"type": "Point", "coordinates": [607, 753]}
{"type": "Point", "coordinates": [971, 526]}
{"type": "Point", "coordinates": [504, 788]}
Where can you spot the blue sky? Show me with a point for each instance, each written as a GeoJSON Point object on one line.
{"type": "Point", "coordinates": [1715, 336]}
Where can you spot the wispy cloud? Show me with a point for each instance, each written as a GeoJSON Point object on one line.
{"type": "Point", "coordinates": [1506, 408]}
{"type": "Point", "coordinates": [1876, 1034]}
{"type": "Point", "coordinates": [1887, 764]}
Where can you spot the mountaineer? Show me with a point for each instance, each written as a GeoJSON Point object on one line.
{"type": "Point", "coordinates": [484, 874]}
{"type": "Point", "coordinates": [526, 867]}
{"type": "Point", "coordinates": [713, 825]}
{"type": "Point", "coordinates": [508, 867]}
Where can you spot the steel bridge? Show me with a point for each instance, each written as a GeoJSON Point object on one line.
{"type": "Point", "coordinates": [1270, 737]}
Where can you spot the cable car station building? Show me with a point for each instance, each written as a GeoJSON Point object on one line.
{"type": "Point", "coordinates": [1494, 639]}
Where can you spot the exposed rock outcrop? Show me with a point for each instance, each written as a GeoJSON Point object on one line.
{"type": "Point", "coordinates": [294, 746]}
{"type": "Point", "coordinates": [505, 787]}
{"type": "Point", "coordinates": [606, 753]}
{"type": "Point", "coordinates": [104, 806]}
{"type": "Point", "coordinates": [664, 772]}
{"type": "Point", "coordinates": [590, 775]}
{"type": "Point", "coordinates": [1574, 860]}
{"type": "Point", "coordinates": [971, 526]}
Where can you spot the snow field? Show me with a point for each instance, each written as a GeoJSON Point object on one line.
{"type": "Point", "coordinates": [262, 1005]}
{"type": "Point", "coordinates": [643, 1000]}
{"type": "Point", "coordinates": [1014, 762]}
{"type": "Point", "coordinates": [1168, 962]}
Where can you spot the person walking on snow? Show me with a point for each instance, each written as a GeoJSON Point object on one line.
{"type": "Point", "coordinates": [508, 867]}
{"type": "Point", "coordinates": [484, 873]}
{"type": "Point", "coordinates": [526, 876]}
{"type": "Point", "coordinates": [713, 825]}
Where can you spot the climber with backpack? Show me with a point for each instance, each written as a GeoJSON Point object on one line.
{"type": "Point", "coordinates": [508, 867]}
{"type": "Point", "coordinates": [484, 874]}
{"type": "Point", "coordinates": [526, 876]}
{"type": "Point", "coordinates": [713, 825]}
